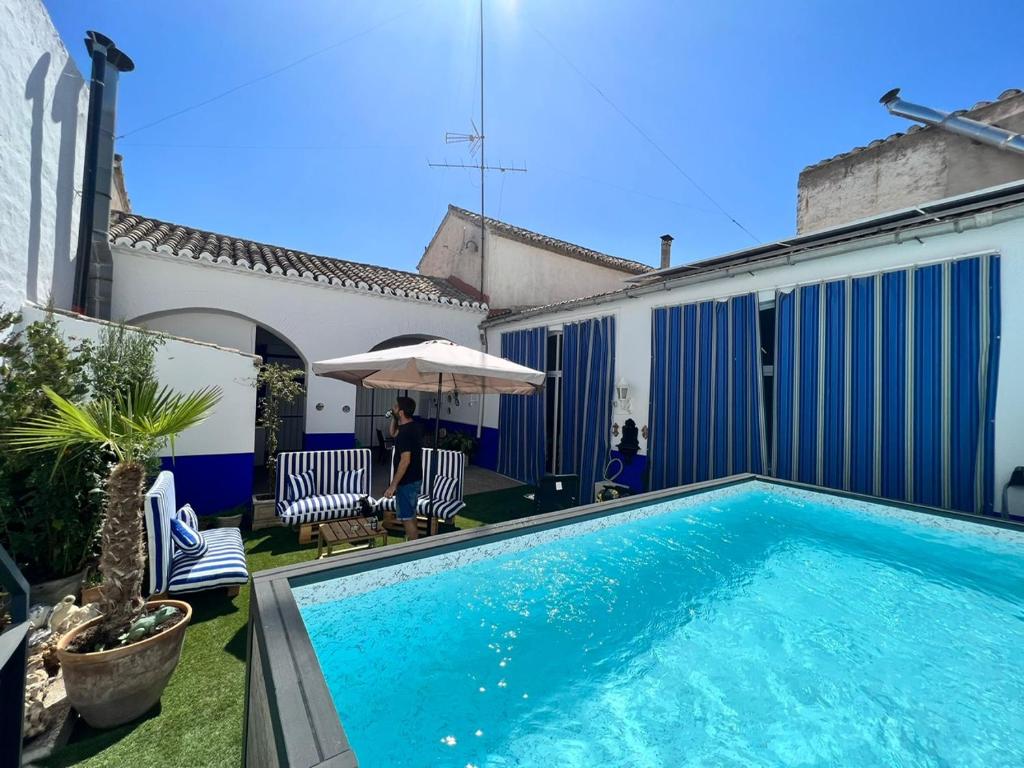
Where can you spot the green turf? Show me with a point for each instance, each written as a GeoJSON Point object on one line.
{"type": "Point", "coordinates": [199, 720]}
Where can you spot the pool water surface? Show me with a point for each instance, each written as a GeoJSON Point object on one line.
{"type": "Point", "coordinates": [756, 625]}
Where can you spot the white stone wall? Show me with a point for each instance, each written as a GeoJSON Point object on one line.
{"type": "Point", "coordinates": [633, 315]}
{"type": "Point", "coordinates": [43, 106]}
{"type": "Point", "coordinates": [185, 366]}
{"type": "Point", "coordinates": [517, 274]}
{"type": "Point", "coordinates": [216, 301]}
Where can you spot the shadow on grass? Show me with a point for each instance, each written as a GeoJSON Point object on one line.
{"type": "Point", "coordinates": [498, 506]}
{"type": "Point", "coordinates": [88, 741]}
{"type": "Point", "coordinates": [275, 541]}
{"type": "Point", "coordinates": [236, 646]}
{"type": "Point", "coordinates": [208, 606]}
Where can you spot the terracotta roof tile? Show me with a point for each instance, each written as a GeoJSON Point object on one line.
{"type": "Point", "coordinates": [185, 242]}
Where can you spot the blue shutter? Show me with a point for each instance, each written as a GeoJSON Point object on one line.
{"type": "Point", "coordinates": [588, 388]}
{"type": "Point", "coordinates": [706, 410]}
{"type": "Point", "coordinates": [889, 386]}
{"type": "Point", "coordinates": [521, 429]}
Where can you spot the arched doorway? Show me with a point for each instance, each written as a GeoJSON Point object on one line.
{"type": "Point", "coordinates": [371, 404]}
{"type": "Point", "coordinates": [274, 349]}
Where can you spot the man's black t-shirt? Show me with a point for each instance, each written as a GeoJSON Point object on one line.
{"type": "Point", "coordinates": [409, 439]}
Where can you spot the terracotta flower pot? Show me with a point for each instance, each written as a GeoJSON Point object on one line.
{"type": "Point", "coordinates": [113, 687]}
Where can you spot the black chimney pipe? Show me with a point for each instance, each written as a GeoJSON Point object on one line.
{"type": "Point", "coordinates": [94, 270]}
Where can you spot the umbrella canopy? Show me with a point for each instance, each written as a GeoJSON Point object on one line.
{"type": "Point", "coordinates": [434, 365]}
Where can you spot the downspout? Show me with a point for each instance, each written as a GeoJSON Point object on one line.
{"type": "Point", "coordinates": [94, 268]}
{"type": "Point", "coordinates": [993, 135]}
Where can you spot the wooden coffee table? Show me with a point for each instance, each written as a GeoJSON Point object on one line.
{"type": "Point", "coordinates": [351, 530]}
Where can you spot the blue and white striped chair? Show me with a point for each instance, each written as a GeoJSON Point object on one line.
{"type": "Point", "coordinates": [172, 571]}
{"type": "Point", "coordinates": [327, 502]}
{"type": "Point", "coordinates": [450, 464]}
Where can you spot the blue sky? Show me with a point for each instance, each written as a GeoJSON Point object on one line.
{"type": "Point", "coordinates": [330, 156]}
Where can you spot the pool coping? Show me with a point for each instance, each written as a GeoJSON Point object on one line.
{"type": "Point", "coordinates": [303, 724]}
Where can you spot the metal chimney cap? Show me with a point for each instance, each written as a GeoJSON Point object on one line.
{"type": "Point", "coordinates": [890, 96]}
{"type": "Point", "coordinates": [667, 238]}
{"type": "Point", "coordinates": [121, 60]}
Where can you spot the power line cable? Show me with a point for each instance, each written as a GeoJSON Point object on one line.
{"type": "Point", "coordinates": [272, 73]}
{"type": "Point", "coordinates": [641, 131]}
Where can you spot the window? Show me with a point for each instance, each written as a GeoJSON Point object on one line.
{"type": "Point", "coordinates": [553, 404]}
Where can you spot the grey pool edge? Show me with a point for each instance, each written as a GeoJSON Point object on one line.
{"type": "Point", "coordinates": [290, 718]}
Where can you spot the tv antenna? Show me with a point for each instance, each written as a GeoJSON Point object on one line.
{"type": "Point", "coordinates": [476, 151]}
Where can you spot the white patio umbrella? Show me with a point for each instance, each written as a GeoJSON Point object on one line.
{"type": "Point", "coordinates": [430, 366]}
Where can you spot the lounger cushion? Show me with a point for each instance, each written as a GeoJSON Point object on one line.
{"type": "Point", "coordinates": [301, 485]}
{"type": "Point", "coordinates": [318, 509]}
{"type": "Point", "coordinates": [351, 482]}
{"type": "Point", "coordinates": [187, 539]}
{"type": "Point", "coordinates": [223, 564]}
{"type": "Point", "coordinates": [443, 509]}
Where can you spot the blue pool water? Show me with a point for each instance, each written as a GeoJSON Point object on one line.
{"type": "Point", "coordinates": [755, 627]}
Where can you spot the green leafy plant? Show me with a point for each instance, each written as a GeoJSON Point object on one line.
{"type": "Point", "coordinates": [131, 427]}
{"type": "Point", "coordinates": [121, 359]}
{"type": "Point", "coordinates": [49, 511]}
{"type": "Point", "coordinates": [277, 384]}
{"type": "Point", "coordinates": [458, 441]}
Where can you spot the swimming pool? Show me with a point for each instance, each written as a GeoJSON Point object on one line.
{"type": "Point", "coordinates": [751, 624]}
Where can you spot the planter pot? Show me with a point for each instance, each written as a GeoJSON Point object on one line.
{"type": "Point", "coordinates": [52, 592]}
{"type": "Point", "coordinates": [227, 521]}
{"type": "Point", "coordinates": [264, 514]}
{"type": "Point", "coordinates": [109, 688]}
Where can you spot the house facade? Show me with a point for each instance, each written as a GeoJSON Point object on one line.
{"type": "Point", "coordinates": [972, 247]}
{"type": "Point", "coordinates": [521, 268]}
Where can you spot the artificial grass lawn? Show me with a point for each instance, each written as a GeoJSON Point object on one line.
{"type": "Point", "coordinates": [198, 723]}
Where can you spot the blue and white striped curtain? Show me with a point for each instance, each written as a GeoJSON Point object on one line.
{"type": "Point", "coordinates": [706, 409]}
{"type": "Point", "coordinates": [885, 384]}
{"type": "Point", "coordinates": [588, 388]}
{"type": "Point", "coordinates": [521, 417]}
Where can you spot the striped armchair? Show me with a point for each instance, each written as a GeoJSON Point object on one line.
{"type": "Point", "coordinates": [328, 500]}
{"type": "Point", "coordinates": [172, 571]}
{"type": "Point", "coordinates": [450, 464]}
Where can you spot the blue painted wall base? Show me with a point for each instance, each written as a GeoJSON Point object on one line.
{"type": "Point", "coordinates": [328, 441]}
{"type": "Point", "coordinates": [213, 483]}
{"type": "Point", "coordinates": [634, 474]}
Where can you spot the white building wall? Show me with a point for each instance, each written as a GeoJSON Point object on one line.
{"type": "Point", "coordinates": [230, 428]}
{"type": "Point", "coordinates": [319, 321]}
{"type": "Point", "coordinates": [1001, 233]}
{"type": "Point", "coordinates": [218, 328]}
{"type": "Point", "coordinates": [43, 106]}
{"type": "Point", "coordinates": [517, 274]}
{"type": "Point", "coordinates": [213, 461]}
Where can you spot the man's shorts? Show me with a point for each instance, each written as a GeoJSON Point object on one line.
{"type": "Point", "coordinates": [406, 497]}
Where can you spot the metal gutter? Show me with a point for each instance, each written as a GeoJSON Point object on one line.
{"type": "Point", "coordinates": [993, 135]}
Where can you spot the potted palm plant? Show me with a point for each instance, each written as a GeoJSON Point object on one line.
{"type": "Point", "coordinates": [116, 666]}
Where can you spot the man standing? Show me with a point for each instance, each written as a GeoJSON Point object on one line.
{"type": "Point", "coordinates": [408, 465]}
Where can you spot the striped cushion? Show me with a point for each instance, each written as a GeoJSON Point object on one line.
{"type": "Point", "coordinates": [301, 485]}
{"type": "Point", "coordinates": [350, 482]}
{"type": "Point", "coordinates": [187, 539]}
{"type": "Point", "coordinates": [223, 564]}
{"type": "Point", "coordinates": [188, 516]}
{"type": "Point", "coordinates": [443, 510]}
{"type": "Point", "coordinates": [446, 488]}
{"type": "Point", "coordinates": [318, 509]}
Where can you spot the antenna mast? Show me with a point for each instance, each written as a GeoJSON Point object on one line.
{"type": "Point", "coordinates": [476, 142]}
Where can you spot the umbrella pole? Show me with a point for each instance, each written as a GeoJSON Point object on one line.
{"type": "Point", "coordinates": [434, 458]}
